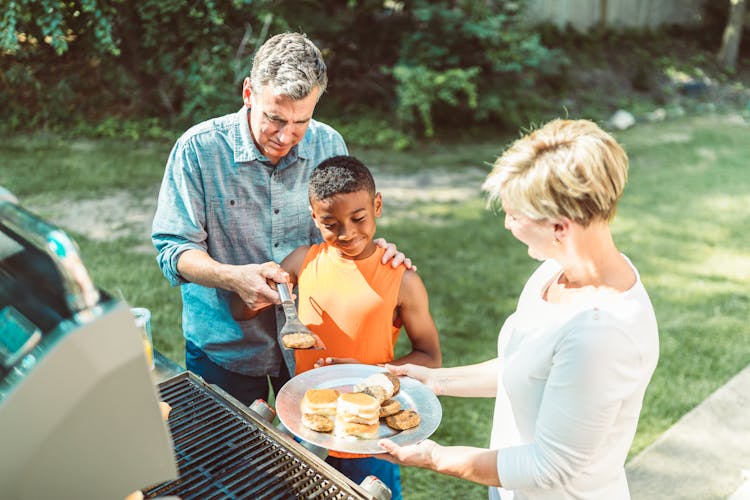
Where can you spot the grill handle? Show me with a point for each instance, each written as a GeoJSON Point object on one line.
{"type": "Point", "coordinates": [263, 409]}
{"type": "Point", "coordinates": [376, 488]}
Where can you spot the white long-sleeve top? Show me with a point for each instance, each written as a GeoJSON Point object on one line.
{"type": "Point", "coordinates": [571, 381]}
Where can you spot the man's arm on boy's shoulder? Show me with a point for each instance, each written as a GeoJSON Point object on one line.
{"type": "Point", "coordinates": [414, 309]}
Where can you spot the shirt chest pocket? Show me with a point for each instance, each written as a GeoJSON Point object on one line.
{"type": "Point", "coordinates": [235, 218]}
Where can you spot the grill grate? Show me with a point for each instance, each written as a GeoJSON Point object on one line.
{"type": "Point", "coordinates": [223, 453]}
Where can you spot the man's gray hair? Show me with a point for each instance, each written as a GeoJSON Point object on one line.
{"type": "Point", "coordinates": [291, 64]}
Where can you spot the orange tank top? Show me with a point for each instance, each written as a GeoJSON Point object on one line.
{"type": "Point", "coordinates": [349, 304]}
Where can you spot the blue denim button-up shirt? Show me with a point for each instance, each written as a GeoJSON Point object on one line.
{"type": "Point", "coordinates": [222, 196]}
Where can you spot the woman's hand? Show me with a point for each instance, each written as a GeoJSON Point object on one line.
{"type": "Point", "coordinates": [393, 255]}
{"type": "Point", "coordinates": [334, 361]}
{"type": "Point", "coordinates": [475, 464]}
{"type": "Point", "coordinates": [422, 373]}
{"type": "Point", "coordinates": [418, 455]}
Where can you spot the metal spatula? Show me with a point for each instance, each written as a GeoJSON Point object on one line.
{"type": "Point", "coordinates": [293, 324]}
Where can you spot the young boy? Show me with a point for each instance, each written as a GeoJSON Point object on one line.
{"type": "Point", "coordinates": [354, 303]}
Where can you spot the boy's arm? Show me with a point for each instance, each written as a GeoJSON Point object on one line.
{"type": "Point", "coordinates": [290, 264]}
{"type": "Point", "coordinates": [414, 309]}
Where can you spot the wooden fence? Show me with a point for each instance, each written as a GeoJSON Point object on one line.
{"type": "Point", "coordinates": [585, 15]}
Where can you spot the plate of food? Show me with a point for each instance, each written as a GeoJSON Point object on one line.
{"type": "Point", "coordinates": [349, 407]}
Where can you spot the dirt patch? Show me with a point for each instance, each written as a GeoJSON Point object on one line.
{"type": "Point", "coordinates": [433, 186]}
{"type": "Point", "coordinates": [124, 214]}
{"type": "Point", "coordinates": [121, 214]}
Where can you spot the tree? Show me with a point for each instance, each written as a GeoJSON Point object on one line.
{"type": "Point", "coordinates": [730, 42]}
{"type": "Point", "coordinates": [97, 60]}
{"type": "Point", "coordinates": [24, 25]}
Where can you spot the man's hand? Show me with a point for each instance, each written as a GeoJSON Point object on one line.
{"type": "Point", "coordinates": [251, 283]}
{"type": "Point", "coordinates": [393, 255]}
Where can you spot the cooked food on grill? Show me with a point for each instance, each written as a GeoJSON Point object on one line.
{"type": "Point", "coordinates": [318, 423]}
{"type": "Point", "coordinates": [389, 407]}
{"type": "Point", "coordinates": [298, 340]}
{"type": "Point", "coordinates": [405, 419]}
{"type": "Point", "coordinates": [320, 402]}
{"type": "Point", "coordinates": [136, 495]}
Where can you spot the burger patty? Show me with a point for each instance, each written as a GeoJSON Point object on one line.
{"type": "Point", "coordinates": [389, 407]}
{"type": "Point", "coordinates": [405, 419]}
{"type": "Point", "coordinates": [318, 423]}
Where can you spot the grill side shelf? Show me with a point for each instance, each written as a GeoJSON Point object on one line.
{"type": "Point", "coordinates": [224, 451]}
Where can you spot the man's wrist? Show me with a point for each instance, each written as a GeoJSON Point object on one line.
{"type": "Point", "coordinates": [227, 275]}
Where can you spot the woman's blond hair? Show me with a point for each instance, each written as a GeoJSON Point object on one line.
{"type": "Point", "coordinates": [566, 169]}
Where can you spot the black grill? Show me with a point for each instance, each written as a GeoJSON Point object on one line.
{"type": "Point", "coordinates": [226, 452]}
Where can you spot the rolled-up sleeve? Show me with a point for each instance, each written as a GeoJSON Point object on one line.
{"type": "Point", "coordinates": [179, 223]}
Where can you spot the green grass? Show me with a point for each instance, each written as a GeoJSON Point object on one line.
{"type": "Point", "coordinates": [682, 221]}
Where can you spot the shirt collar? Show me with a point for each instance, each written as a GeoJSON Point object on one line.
{"type": "Point", "coordinates": [245, 149]}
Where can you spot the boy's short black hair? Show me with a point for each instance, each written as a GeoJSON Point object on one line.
{"type": "Point", "coordinates": [340, 174]}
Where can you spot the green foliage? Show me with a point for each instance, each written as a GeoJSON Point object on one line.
{"type": "Point", "coordinates": [372, 132]}
{"type": "Point", "coordinates": [405, 69]}
{"type": "Point", "coordinates": [49, 53]}
{"type": "Point", "coordinates": [190, 59]}
{"type": "Point", "coordinates": [95, 61]}
{"type": "Point", "coordinates": [479, 49]}
{"type": "Point", "coordinates": [57, 24]}
{"type": "Point", "coordinates": [169, 60]}
{"type": "Point", "coordinates": [113, 128]}
{"type": "Point", "coordinates": [420, 89]}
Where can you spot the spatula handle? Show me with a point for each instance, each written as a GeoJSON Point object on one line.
{"type": "Point", "coordinates": [283, 290]}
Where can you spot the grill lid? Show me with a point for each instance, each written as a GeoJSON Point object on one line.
{"type": "Point", "coordinates": [224, 451]}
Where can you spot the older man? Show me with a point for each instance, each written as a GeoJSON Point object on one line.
{"type": "Point", "coordinates": [233, 203]}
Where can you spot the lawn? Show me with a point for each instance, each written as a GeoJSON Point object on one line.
{"type": "Point", "coordinates": [682, 221]}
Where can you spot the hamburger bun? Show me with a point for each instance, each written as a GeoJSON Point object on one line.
{"type": "Point", "coordinates": [375, 391]}
{"type": "Point", "coordinates": [385, 380]}
{"type": "Point", "coordinates": [394, 380]}
{"type": "Point", "coordinates": [358, 407]}
{"type": "Point", "coordinates": [320, 402]}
